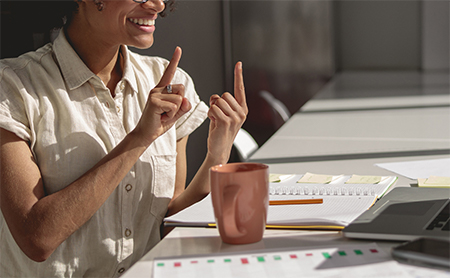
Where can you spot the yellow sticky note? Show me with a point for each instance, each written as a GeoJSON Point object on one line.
{"type": "Point", "coordinates": [421, 182]}
{"type": "Point", "coordinates": [355, 179]}
{"type": "Point", "coordinates": [278, 177]}
{"type": "Point", "coordinates": [313, 178]}
{"type": "Point", "coordinates": [435, 180]}
{"type": "Point", "coordinates": [274, 177]}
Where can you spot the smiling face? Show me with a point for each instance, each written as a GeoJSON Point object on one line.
{"type": "Point", "coordinates": [120, 21]}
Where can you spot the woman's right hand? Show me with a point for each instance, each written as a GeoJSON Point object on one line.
{"type": "Point", "coordinates": [163, 109]}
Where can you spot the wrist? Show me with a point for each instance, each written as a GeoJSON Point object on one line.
{"type": "Point", "coordinates": [139, 139]}
{"type": "Point", "coordinates": [213, 160]}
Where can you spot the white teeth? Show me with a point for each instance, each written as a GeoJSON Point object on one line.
{"type": "Point", "coordinates": [141, 21]}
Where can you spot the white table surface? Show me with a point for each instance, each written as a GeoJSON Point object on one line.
{"type": "Point", "coordinates": [206, 241]}
{"type": "Point", "coordinates": [359, 134]}
{"type": "Point", "coordinates": [368, 103]}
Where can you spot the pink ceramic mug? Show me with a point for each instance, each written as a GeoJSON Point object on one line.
{"type": "Point", "coordinates": [240, 197]}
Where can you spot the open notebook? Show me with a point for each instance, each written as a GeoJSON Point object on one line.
{"type": "Point", "coordinates": [342, 203]}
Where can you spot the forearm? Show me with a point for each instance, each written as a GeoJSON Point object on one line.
{"type": "Point", "coordinates": [53, 218]}
{"type": "Point", "coordinates": [198, 188]}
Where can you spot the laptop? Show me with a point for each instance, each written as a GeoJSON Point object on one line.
{"type": "Point", "coordinates": [405, 213]}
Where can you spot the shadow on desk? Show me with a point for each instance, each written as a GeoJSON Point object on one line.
{"type": "Point", "coordinates": [272, 240]}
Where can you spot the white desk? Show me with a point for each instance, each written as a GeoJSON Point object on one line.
{"type": "Point", "coordinates": [360, 115]}
{"type": "Point", "coordinates": [201, 241]}
{"type": "Point", "coordinates": [359, 134]}
{"type": "Point", "coordinates": [371, 103]}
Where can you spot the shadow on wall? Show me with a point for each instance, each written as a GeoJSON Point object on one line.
{"type": "Point", "coordinates": [287, 49]}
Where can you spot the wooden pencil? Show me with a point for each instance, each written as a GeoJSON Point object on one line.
{"type": "Point", "coordinates": [295, 202]}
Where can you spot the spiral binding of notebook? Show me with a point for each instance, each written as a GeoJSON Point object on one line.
{"type": "Point", "coordinates": [338, 186]}
{"type": "Point", "coordinates": [315, 190]}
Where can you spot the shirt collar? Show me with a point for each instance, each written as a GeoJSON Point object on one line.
{"type": "Point", "coordinates": [128, 73]}
{"type": "Point", "coordinates": [75, 71]}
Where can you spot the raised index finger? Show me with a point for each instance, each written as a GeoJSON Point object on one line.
{"type": "Point", "coordinates": [239, 89]}
{"type": "Point", "coordinates": [169, 73]}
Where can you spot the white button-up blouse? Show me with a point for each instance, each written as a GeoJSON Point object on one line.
{"type": "Point", "coordinates": [52, 100]}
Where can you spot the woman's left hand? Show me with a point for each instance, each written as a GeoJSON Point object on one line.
{"type": "Point", "coordinates": [227, 114]}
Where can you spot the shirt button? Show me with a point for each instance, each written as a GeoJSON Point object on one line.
{"type": "Point", "coordinates": [128, 187]}
{"type": "Point", "coordinates": [121, 270]}
{"type": "Point", "coordinates": [118, 109]}
{"type": "Point", "coordinates": [122, 85]}
{"type": "Point", "coordinates": [127, 232]}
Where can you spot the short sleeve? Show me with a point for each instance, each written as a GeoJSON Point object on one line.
{"type": "Point", "coordinates": [13, 105]}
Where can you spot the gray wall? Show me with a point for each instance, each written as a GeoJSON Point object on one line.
{"type": "Point", "coordinates": [378, 35]}
{"type": "Point", "coordinates": [435, 35]}
{"type": "Point", "coordinates": [392, 35]}
{"type": "Point", "coordinates": [287, 49]}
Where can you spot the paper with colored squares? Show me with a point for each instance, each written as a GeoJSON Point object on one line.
{"type": "Point", "coordinates": [366, 260]}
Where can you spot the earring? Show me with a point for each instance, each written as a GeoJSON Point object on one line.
{"type": "Point", "coordinates": [99, 4]}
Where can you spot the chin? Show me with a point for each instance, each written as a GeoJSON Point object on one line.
{"type": "Point", "coordinates": [141, 46]}
{"type": "Point", "coordinates": [144, 45]}
{"type": "Point", "coordinates": [141, 42]}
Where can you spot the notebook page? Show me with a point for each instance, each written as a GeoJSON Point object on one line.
{"type": "Point", "coordinates": [199, 213]}
{"type": "Point", "coordinates": [336, 210]}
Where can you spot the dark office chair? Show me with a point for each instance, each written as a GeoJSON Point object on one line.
{"type": "Point", "coordinates": [280, 113]}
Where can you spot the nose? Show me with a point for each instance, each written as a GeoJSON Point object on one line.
{"type": "Point", "coordinates": [157, 5]}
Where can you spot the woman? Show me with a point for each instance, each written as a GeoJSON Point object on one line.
{"type": "Point", "coordinates": [93, 141]}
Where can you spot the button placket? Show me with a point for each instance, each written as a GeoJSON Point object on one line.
{"type": "Point", "coordinates": [127, 215]}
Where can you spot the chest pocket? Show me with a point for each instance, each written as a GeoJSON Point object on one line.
{"type": "Point", "coordinates": [163, 180]}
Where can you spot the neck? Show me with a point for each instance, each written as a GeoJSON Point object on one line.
{"type": "Point", "coordinates": [103, 60]}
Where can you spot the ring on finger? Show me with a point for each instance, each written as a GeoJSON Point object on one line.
{"type": "Point", "coordinates": [169, 88]}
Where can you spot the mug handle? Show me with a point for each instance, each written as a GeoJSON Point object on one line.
{"type": "Point", "coordinates": [230, 194]}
